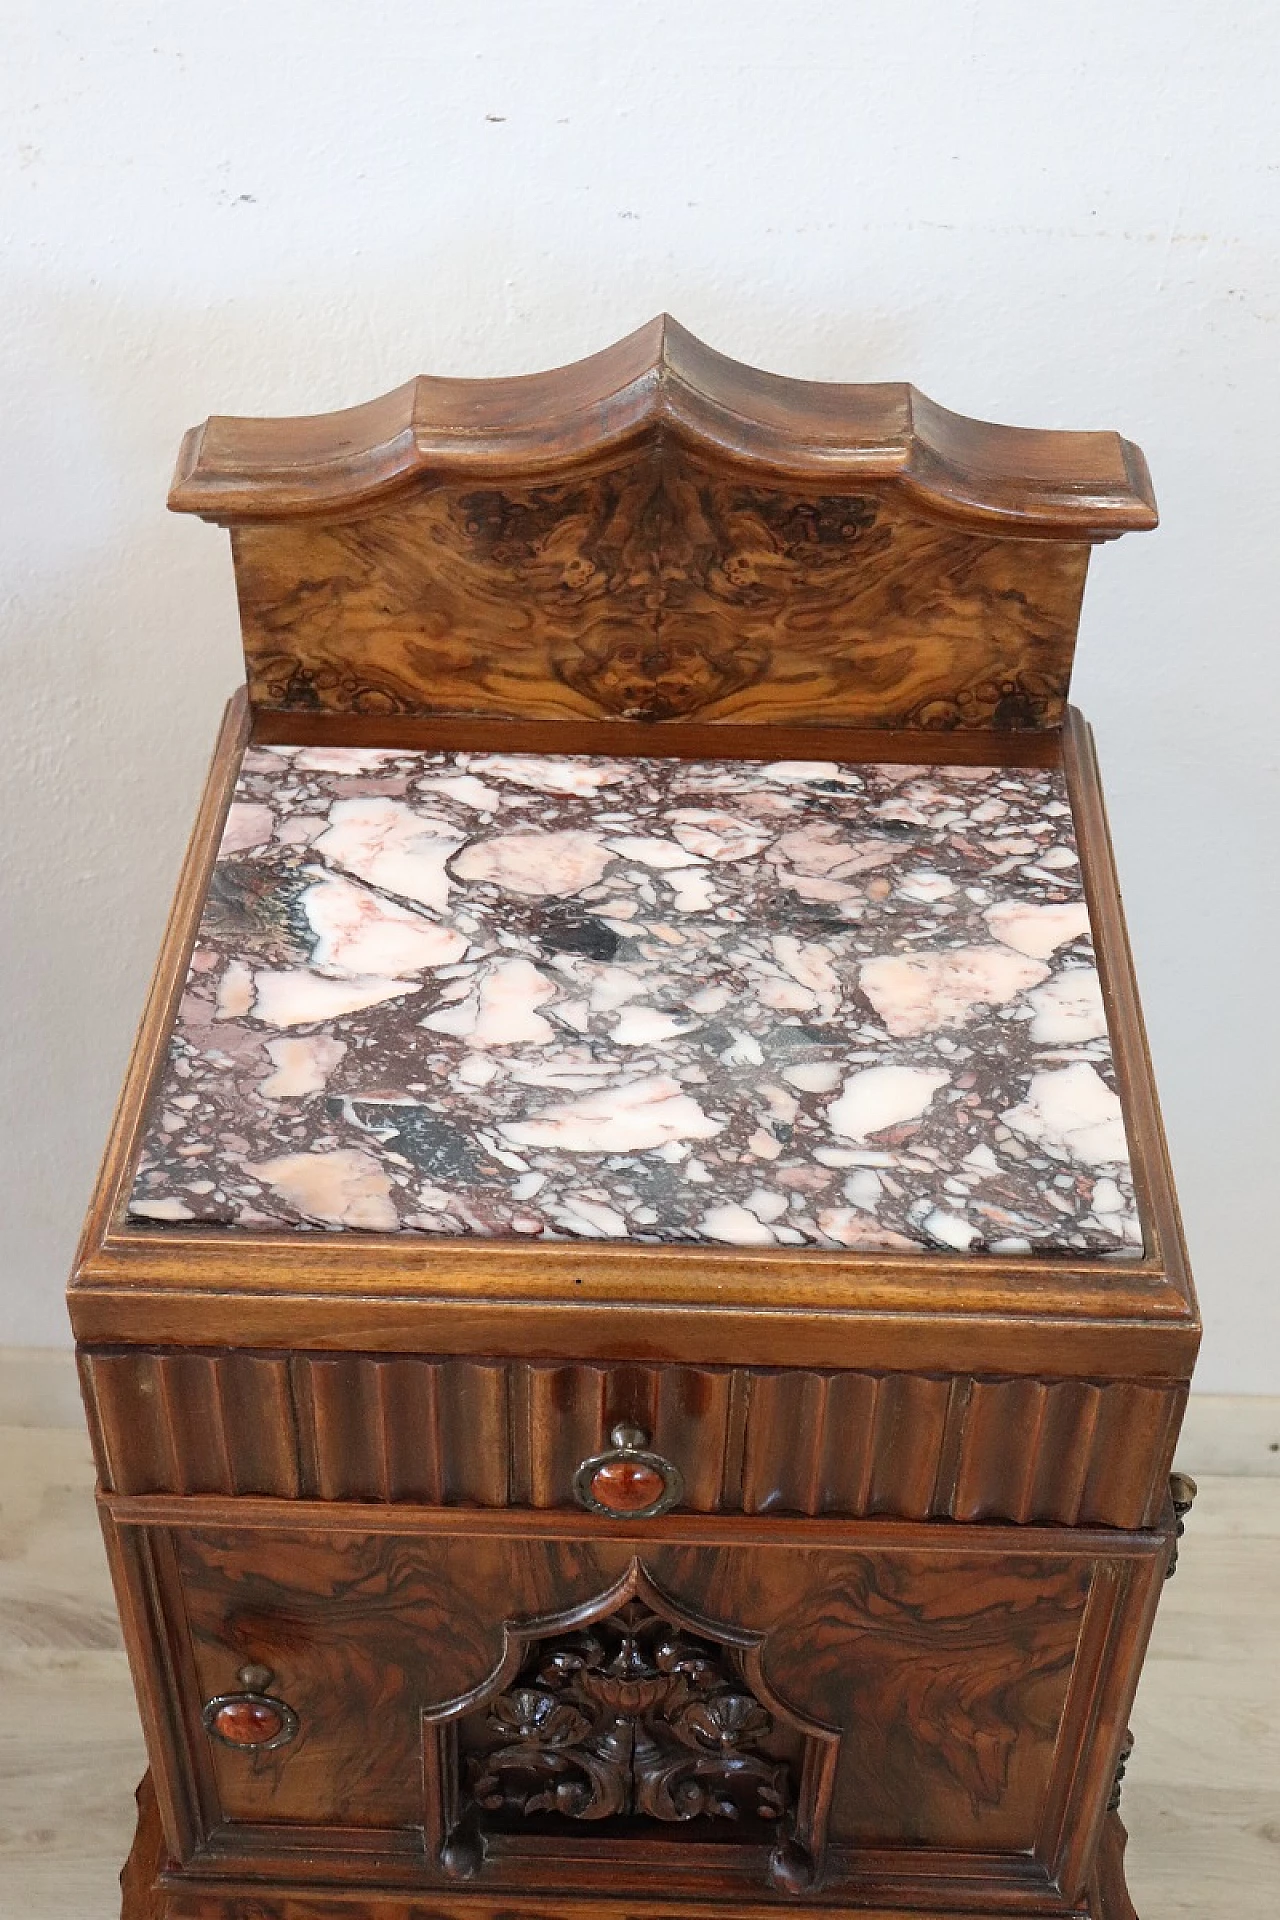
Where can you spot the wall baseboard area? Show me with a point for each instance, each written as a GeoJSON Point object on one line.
{"type": "Point", "coordinates": [38, 1388]}
{"type": "Point", "coordinates": [1232, 1433]}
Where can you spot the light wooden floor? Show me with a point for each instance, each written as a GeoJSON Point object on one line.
{"type": "Point", "coordinates": [1202, 1800]}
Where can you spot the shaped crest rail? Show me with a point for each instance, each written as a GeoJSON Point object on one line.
{"type": "Point", "coordinates": [661, 534]}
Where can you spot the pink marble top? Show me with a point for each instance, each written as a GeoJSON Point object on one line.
{"type": "Point", "coordinates": [755, 1003]}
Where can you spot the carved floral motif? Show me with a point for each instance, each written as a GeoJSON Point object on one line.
{"type": "Point", "coordinates": [630, 1716]}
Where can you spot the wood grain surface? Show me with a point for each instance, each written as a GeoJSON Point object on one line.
{"type": "Point", "coordinates": [968, 1673]}
{"type": "Point", "coordinates": [1199, 1797]}
{"type": "Point", "coordinates": [490, 1433]}
{"type": "Point", "coordinates": [659, 592]}
{"type": "Point", "coordinates": [659, 534]}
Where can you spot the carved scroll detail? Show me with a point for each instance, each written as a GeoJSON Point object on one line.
{"type": "Point", "coordinates": [1117, 1785]}
{"type": "Point", "coordinates": [630, 1716]}
{"type": "Point", "coordinates": [629, 1708]}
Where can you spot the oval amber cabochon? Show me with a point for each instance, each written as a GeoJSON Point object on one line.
{"type": "Point", "coordinates": [627, 1486]}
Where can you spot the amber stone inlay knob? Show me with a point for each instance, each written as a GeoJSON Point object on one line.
{"type": "Point", "coordinates": [628, 1479]}
{"type": "Point", "coordinates": [247, 1723]}
{"type": "Point", "coordinates": [250, 1720]}
{"type": "Point", "coordinates": [627, 1486]}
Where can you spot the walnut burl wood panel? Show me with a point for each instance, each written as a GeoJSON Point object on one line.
{"type": "Point", "coordinates": [607, 599]}
{"type": "Point", "coordinates": [390, 1428]}
{"type": "Point", "coordinates": [660, 534]}
{"type": "Point", "coordinates": [962, 1677]}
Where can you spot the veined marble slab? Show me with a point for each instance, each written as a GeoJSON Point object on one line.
{"type": "Point", "coordinates": [739, 1002]}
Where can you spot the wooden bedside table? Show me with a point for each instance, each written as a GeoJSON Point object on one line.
{"type": "Point", "coordinates": [634, 1321]}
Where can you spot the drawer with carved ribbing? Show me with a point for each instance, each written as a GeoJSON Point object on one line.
{"type": "Point", "coordinates": [634, 1321]}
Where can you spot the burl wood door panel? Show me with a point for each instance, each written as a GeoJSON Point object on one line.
{"type": "Point", "coordinates": [928, 1692]}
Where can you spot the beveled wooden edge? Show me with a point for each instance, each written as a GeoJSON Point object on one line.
{"type": "Point", "coordinates": [350, 1290]}
{"type": "Point", "coordinates": [140, 1561]}
{"type": "Point", "coordinates": [973, 1339]}
{"type": "Point", "coordinates": [661, 739]}
{"type": "Point", "coordinates": [148, 1881]}
{"type": "Point", "coordinates": [260, 1513]}
{"type": "Point", "coordinates": [1070, 1834]}
{"type": "Point", "coordinates": [141, 1897]}
{"type": "Point", "coordinates": [1109, 1891]}
{"type": "Point", "coordinates": [1016, 481]}
{"type": "Point", "coordinates": [168, 978]}
{"type": "Point", "coordinates": [1148, 1146]}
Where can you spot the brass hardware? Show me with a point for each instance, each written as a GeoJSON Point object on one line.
{"type": "Point", "coordinates": [1182, 1493]}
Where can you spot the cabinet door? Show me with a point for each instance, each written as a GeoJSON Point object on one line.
{"type": "Point", "coordinates": [880, 1708]}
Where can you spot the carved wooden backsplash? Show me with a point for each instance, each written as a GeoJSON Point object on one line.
{"type": "Point", "coordinates": [660, 534]}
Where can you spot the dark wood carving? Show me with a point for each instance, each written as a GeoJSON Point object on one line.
{"type": "Point", "coordinates": [1122, 1765]}
{"type": "Point", "coordinates": [894, 1621]}
{"type": "Point", "coordinates": [959, 1665]}
{"type": "Point", "coordinates": [634, 1710]}
{"type": "Point", "coordinates": [659, 534]}
{"type": "Point", "coordinates": [491, 1434]}
{"type": "Point", "coordinates": [630, 1716]}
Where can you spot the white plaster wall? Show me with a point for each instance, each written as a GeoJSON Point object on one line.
{"type": "Point", "coordinates": [1060, 216]}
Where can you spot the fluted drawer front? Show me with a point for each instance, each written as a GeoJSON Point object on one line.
{"type": "Point", "coordinates": [916, 1447]}
{"type": "Point", "coordinates": [497, 1433]}
{"type": "Point", "coordinates": [563, 1414]}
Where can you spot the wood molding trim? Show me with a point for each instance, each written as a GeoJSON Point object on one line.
{"type": "Point", "coordinates": [1022, 481]}
{"type": "Point", "coordinates": [661, 535]}
{"type": "Point", "coordinates": [490, 1434]}
{"type": "Point", "coordinates": [698, 1304]}
{"type": "Point", "coordinates": [1235, 1435]}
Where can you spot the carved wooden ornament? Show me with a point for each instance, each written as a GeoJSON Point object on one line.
{"type": "Point", "coordinates": [661, 534]}
{"type": "Point", "coordinates": [852, 1604]}
{"type": "Point", "coordinates": [629, 1707]}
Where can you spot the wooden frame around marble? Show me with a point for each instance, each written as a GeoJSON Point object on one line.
{"type": "Point", "coordinates": [1012, 1312]}
{"type": "Point", "coordinates": [655, 551]}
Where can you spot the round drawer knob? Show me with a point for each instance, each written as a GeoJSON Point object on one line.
{"type": "Point", "coordinates": [249, 1720]}
{"type": "Point", "coordinates": [628, 1481]}
{"type": "Point", "coordinates": [627, 1486]}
